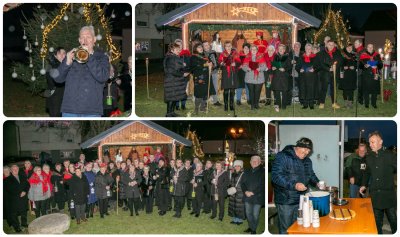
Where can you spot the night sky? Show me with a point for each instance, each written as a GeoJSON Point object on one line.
{"type": "Point", "coordinates": [388, 129]}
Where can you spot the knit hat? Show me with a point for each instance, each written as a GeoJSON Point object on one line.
{"type": "Point", "coordinates": [102, 165]}
{"type": "Point", "coordinates": [305, 143]}
{"type": "Point", "coordinates": [259, 33]}
{"type": "Point", "coordinates": [238, 162]}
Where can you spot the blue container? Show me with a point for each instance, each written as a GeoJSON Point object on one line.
{"type": "Point", "coordinates": [320, 200]}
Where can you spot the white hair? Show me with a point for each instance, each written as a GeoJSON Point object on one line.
{"type": "Point", "coordinates": [308, 45]}
{"type": "Point", "coordinates": [88, 28]}
{"type": "Point", "coordinates": [271, 47]}
{"type": "Point", "coordinates": [255, 158]}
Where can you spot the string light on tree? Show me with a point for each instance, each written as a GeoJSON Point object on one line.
{"type": "Point", "coordinates": [334, 27]}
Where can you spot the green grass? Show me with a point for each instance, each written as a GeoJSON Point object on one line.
{"type": "Point", "coordinates": [123, 223]}
{"type": "Point", "coordinates": [155, 106]}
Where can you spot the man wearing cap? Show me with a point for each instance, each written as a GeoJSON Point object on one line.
{"type": "Point", "coordinates": [380, 177]}
{"type": "Point", "coordinates": [262, 44]}
{"type": "Point", "coordinates": [292, 172]}
{"type": "Point", "coordinates": [253, 188]}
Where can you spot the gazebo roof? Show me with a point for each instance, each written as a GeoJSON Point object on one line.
{"type": "Point", "coordinates": [94, 141]}
{"type": "Point", "coordinates": [180, 12]}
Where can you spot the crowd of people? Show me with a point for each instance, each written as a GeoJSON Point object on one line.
{"type": "Point", "coordinates": [293, 175]}
{"type": "Point", "coordinates": [90, 88]}
{"type": "Point", "coordinates": [314, 73]}
{"type": "Point", "coordinates": [87, 188]}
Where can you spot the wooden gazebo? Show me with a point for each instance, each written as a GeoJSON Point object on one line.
{"type": "Point", "coordinates": [141, 134]}
{"type": "Point", "coordinates": [204, 19]}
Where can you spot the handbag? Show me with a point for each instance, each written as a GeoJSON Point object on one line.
{"type": "Point", "coordinates": [232, 190]}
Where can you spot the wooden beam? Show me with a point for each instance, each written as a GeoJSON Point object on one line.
{"type": "Point", "coordinates": [100, 152]}
{"type": "Point", "coordinates": [185, 35]}
{"type": "Point", "coordinates": [173, 150]}
{"type": "Point", "coordinates": [294, 33]}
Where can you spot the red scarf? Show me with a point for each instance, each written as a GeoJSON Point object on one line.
{"type": "Point", "coordinates": [35, 180]}
{"type": "Point", "coordinates": [359, 49]}
{"type": "Point", "coordinates": [269, 59]}
{"type": "Point", "coordinates": [330, 52]}
{"type": "Point", "coordinates": [307, 59]}
{"type": "Point", "coordinates": [28, 170]}
{"type": "Point", "coordinates": [262, 45]}
{"type": "Point", "coordinates": [253, 65]}
{"type": "Point", "coordinates": [48, 177]}
{"type": "Point", "coordinates": [369, 57]}
{"type": "Point", "coordinates": [184, 53]}
{"type": "Point", "coordinates": [228, 59]}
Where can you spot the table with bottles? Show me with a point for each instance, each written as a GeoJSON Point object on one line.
{"type": "Point", "coordinates": [362, 223]}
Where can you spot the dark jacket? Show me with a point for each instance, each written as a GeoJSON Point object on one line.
{"type": "Point", "coordinates": [287, 170]}
{"type": "Point", "coordinates": [349, 80]}
{"type": "Point", "coordinates": [199, 179]}
{"type": "Point", "coordinates": [308, 80]}
{"type": "Point", "coordinates": [370, 84]}
{"type": "Point", "coordinates": [174, 82]}
{"type": "Point", "coordinates": [91, 176]}
{"type": "Point", "coordinates": [79, 189]}
{"type": "Point", "coordinates": [253, 180]}
{"type": "Point", "coordinates": [13, 190]}
{"type": "Point", "coordinates": [207, 176]}
{"type": "Point", "coordinates": [380, 171]}
{"type": "Point", "coordinates": [59, 190]}
{"type": "Point", "coordinates": [162, 181]}
{"type": "Point", "coordinates": [189, 186]}
{"type": "Point", "coordinates": [131, 191]}
{"type": "Point", "coordinates": [201, 75]}
{"type": "Point", "coordinates": [101, 181]}
{"type": "Point", "coordinates": [236, 203]}
{"type": "Point", "coordinates": [357, 169]}
{"type": "Point", "coordinates": [53, 102]}
{"type": "Point", "coordinates": [222, 184]}
{"type": "Point", "coordinates": [280, 80]}
{"type": "Point", "coordinates": [324, 63]}
{"type": "Point", "coordinates": [147, 182]}
{"type": "Point", "coordinates": [84, 84]}
{"type": "Point", "coordinates": [180, 185]}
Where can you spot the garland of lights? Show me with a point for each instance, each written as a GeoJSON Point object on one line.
{"type": "Point", "coordinates": [115, 54]}
{"type": "Point", "coordinates": [338, 23]}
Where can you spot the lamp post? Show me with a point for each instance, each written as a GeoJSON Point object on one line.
{"type": "Point", "coordinates": [359, 137]}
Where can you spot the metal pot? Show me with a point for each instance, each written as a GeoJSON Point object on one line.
{"type": "Point", "coordinates": [334, 192]}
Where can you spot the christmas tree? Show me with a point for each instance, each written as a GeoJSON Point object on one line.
{"type": "Point", "coordinates": [47, 30]}
{"type": "Point", "coordinates": [333, 27]}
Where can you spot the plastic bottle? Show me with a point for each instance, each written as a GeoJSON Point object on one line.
{"type": "Point", "coordinates": [306, 212]}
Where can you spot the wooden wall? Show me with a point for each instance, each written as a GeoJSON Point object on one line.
{"type": "Point", "coordinates": [222, 11]}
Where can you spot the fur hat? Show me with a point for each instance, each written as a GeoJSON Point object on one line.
{"type": "Point", "coordinates": [238, 162]}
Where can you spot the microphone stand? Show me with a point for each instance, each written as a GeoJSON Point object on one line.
{"type": "Point", "coordinates": [357, 72]}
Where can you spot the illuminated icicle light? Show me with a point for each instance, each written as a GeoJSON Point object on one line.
{"type": "Point", "coordinates": [33, 78]}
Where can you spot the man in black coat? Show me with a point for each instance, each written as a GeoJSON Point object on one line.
{"type": "Point", "coordinates": [380, 175]}
{"type": "Point", "coordinates": [84, 82]}
{"type": "Point", "coordinates": [180, 178]}
{"type": "Point", "coordinates": [357, 169]}
{"type": "Point", "coordinates": [79, 188]}
{"type": "Point", "coordinates": [208, 172]}
{"type": "Point", "coordinates": [325, 66]}
{"type": "Point", "coordinates": [253, 187]}
{"type": "Point", "coordinates": [16, 187]}
{"type": "Point", "coordinates": [188, 186]}
{"type": "Point", "coordinates": [103, 184]}
{"type": "Point", "coordinates": [219, 185]}
{"type": "Point", "coordinates": [56, 90]}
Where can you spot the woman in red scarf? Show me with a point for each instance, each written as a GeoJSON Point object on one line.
{"type": "Point", "coordinates": [40, 191]}
{"type": "Point", "coordinates": [254, 66]}
{"type": "Point", "coordinates": [269, 58]}
{"type": "Point", "coordinates": [370, 62]}
{"type": "Point", "coordinates": [230, 63]}
{"type": "Point", "coordinates": [307, 77]}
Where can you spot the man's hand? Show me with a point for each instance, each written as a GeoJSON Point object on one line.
{"type": "Point", "coordinates": [362, 189]}
{"type": "Point", "coordinates": [351, 180]}
{"type": "Point", "coordinates": [70, 57]}
{"type": "Point", "coordinates": [23, 194]}
{"type": "Point", "coordinates": [186, 74]}
{"type": "Point", "coordinates": [300, 187]}
{"type": "Point", "coordinates": [281, 69]}
{"type": "Point", "coordinates": [249, 194]}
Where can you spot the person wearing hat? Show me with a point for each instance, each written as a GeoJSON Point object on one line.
{"type": "Point", "coordinates": [261, 44]}
{"type": "Point", "coordinates": [236, 204]}
{"type": "Point", "coordinates": [292, 173]}
{"type": "Point", "coordinates": [103, 183]}
{"type": "Point", "coordinates": [275, 40]}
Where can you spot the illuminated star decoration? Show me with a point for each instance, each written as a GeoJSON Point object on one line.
{"type": "Point", "coordinates": [249, 10]}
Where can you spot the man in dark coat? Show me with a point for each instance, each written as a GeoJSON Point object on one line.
{"type": "Point", "coordinates": [79, 189]}
{"type": "Point", "coordinates": [219, 185]}
{"type": "Point", "coordinates": [326, 60]}
{"type": "Point", "coordinates": [174, 79]}
{"type": "Point", "coordinates": [84, 82]}
{"type": "Point", "coordinates": [380, 177]}
{"type": "Point", "coordinates": [292, 172]}
{"type": "Point", "coordinates": [359, 49]}
{"type": "Point", "coordinates": [357, 169]}
{"type": "Point", "coordinates": [281, 68]}
{"type": "Point", "coordinates": [16, 187]}
{"type": "Point", "coordinates": [55, 90]}
{"type": "Point", "coordinates": [103, 184]}
{"type": "Point", "coordinates": [180, 178]}
{"type": "Point", "coordinates": [208, 172]}
{"type": "Point", "coordinates": [60, 196]}
{"type": "Point", "coordinates": [131, 180]}
{"type": "Point", "coordinates": [348, 83]}
{"type": "Point", "coordinates": [162, 184]}
{"type": "Point", "coordinates": [293, 85]}
{"type": "Point", "coordinates": [188, 186]}
{"type": "Point", "coordinates": [198, 183]}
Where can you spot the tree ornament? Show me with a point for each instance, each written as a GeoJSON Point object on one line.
{"type": "Point", "coordinates": [325, 29]}
{"type": "Point", "coordinates": [65, 18]}
{"type": "Point", "coordinates": [24, 37]}
{"type": "Point", "coordinates": [14, 74]}
{"type": "Point", "coordinates": [42, 26]}
{"type": "Point", "coordinates": [127, 13]}
{"type": "Point", "coordinates": [42, 71]}
{"type": "Point", "coordinates": [36, 42]}
{"type": "Point", "coordinates": [39, 6]}
{"type": "Point", "coordinates": [113, 15]}
{"type": "Point", "coordinates": [80, 10]}
{"type": "Point", "coordinates": [51, 49]}
{"type": "Point", "coordinates": [99, 37]}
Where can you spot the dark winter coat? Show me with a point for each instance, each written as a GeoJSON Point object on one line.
{"type": "Point", "coordinates": [370, 84]}
{"type": "Point", "coordinates": [324, 63]}
{"type": "Point", "coordinates": [200, 180]}
{"type": "Point", "coordinates": [236, 203]}
{"type": "Point", "coordinates": [27, 173]}
{"type": "Point", "coordinates": [222, 184]}
{"type": "Point", "coordinates": [349, 80]}
{"type": "Point", "coordinates": [131, 191]}
{"type": "Point", "coordinates": [79, 189]}
{"type": "Point", "coordinates": [59, 190]}
{"type": "Point", "coordinates": [307, 79]}
{"type": "Point", "coordinates": [126, 86]}
{"type": "Point", "coordinates": [91, 177]}
{"type": "Point", "coordinates": [287, 170]}
{"type": "Point", "coordinates": [180, 185]}
{"type": "Point", "coordinates": [53, 102]}
{"type": "Point", "coordinates": [189, 186]}
{"type": "Point", "coordinates": [100, 183]}
{"type": "Point", "coordinates": [357, 169]}
{"type": "Point", "coordinates": [280, 80]}
{"type": "Point", "coordinates": [147, 182]}
{"type": "Point", "coordinates": [229, 73]}
{"type": "Point", "coordinates": [201, 76]}
{"type": "Point", "coordinates": [241, 73]}
{"type": "Point", "coordinates": [174, 82]}
{"type": "Point", "coordinates": [84, 84]}
{"type": "Point", "coordinates": [381, 169]}
{"type": "Point", "coordinates": [208, 177]}
{"type": "Point", "coordinates": [162, 182]}
{"type": "Point", "coordinates": [13, 190]}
